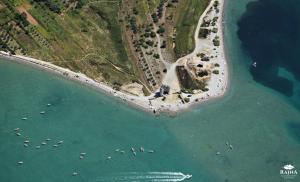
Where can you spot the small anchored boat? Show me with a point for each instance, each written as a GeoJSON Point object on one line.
{"type": "Point", "coordinates": [24, 118]}
{"type": "Point", "coordinates": [60, 142]}
{"type": "Point", "coordinates": [18, 134]}
{"type": "Point", "coordinates": [133, 151]}
{"type": "Point", "coordinates": [20, 162]}
{"type": "Point", "coordinates": [150, 151]}
{"type": "Point", "coordinates": [48, 139]}
{"type": "Point", "coordinates": [49, 104]}
{"type": "Point", "coordinates": [37, 147]}
{"type": "Point", "coordinates": [26, 141]}
{"type": "Point", "coordinates": [74, 174]}
{"type": "Point", "coordinates": [16, 129]}
{"type": "Point", "coordinates": [142, 149]}
{"type": "Point", "coordinates": [55, 145]}
{"type": "Point", "coordinates": [42, 112]}
{"type": "Point", "coordinates": [254, 64]}
{"type": "Point", "coordinates": [44, 143]}
{"type": "Point", "coordinates": [82, 154]}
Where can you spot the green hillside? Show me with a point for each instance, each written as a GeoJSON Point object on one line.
{"type": "Point", "coordinates": [82, 35]}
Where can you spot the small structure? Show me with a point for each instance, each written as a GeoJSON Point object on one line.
{"type": "Point", "coordinates": [164, 90]}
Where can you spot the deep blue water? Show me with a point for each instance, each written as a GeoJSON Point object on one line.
{"type": "Point", "coordinates": [270, 33]}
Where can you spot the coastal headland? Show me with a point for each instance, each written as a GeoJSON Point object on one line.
{"type": "Point", "coordinates": [197, 77]}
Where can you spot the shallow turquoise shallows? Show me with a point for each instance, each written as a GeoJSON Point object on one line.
{"type": "Point", "coordinates": [261, 126]}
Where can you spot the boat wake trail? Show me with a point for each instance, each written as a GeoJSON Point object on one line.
{"type": "Point", "coordinates": [147, 177]}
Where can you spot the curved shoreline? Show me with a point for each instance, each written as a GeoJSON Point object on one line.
{"type": "Point", "coordinates": [145, 103]}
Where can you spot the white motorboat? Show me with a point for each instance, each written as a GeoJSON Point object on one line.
{"type": "Point", "coordinates": [188, 176]}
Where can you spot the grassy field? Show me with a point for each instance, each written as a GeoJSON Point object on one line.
{"type": "Point", "coordinates": [82, 35]}
{"type": "Point", "coordinates": [186, 18]}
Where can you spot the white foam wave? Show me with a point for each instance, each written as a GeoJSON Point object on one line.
{"type": "Point", "coordinates": [147, 177]}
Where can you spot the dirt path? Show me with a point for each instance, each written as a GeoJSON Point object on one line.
{"type": "Point", "coordinates": [166, 63]}
{"type": "Point", "coordinates": [171, 77]}
{"type": "Point", "coordinates": [29, 18]}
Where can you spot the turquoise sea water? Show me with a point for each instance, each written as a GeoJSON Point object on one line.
{"type": "Point", "coordinates": [262, 125]}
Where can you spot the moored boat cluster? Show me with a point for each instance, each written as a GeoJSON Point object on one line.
{"type": "Point", "coordinates": [27, 143]}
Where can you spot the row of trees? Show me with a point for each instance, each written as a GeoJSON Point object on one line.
{"type": "Point", "coordinates": [54, 7]}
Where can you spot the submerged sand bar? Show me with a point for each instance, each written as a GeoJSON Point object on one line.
{"type": "Point", "coordinates": [217, 84]}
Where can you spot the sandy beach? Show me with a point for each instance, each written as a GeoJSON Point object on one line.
{"type": "Point", "coordinates": [217, 84]}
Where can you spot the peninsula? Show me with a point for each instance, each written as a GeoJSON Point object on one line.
{"type": "Point", "coordinates": [154, 55]}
